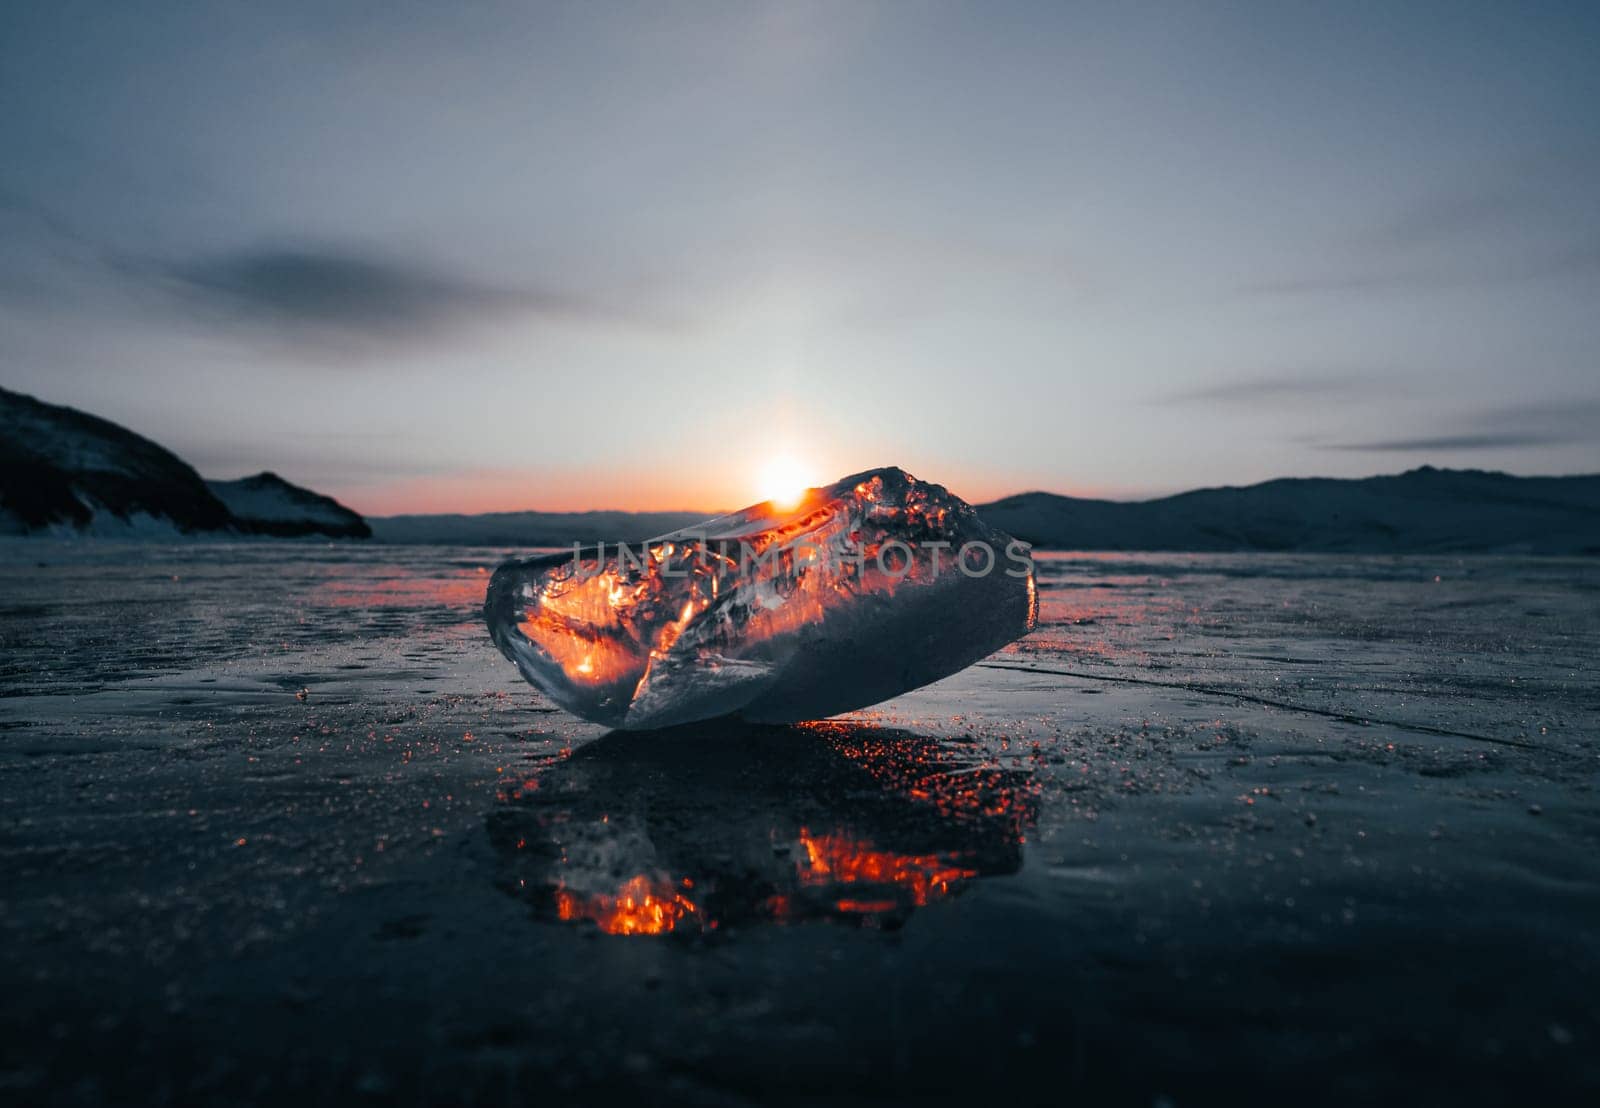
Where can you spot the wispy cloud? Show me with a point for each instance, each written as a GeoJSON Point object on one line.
{"type": "Point", "coordinates": [291, 292]}
{"type": "Point", "coordinates": [325, 289]}
{"type": "Point", "coordinates": [1322, 283]}
{"type": "Point", "coordinates": [352, 455]}
{"type": "Point", "coordinates": [1536, 192]}
{"type": "Point", "coordinates": [1578, 259]}
{"type": "Point", "coordinates": [1488, 440]}
{"type": "Point", "coordinates": [1500, 428]}
{"type": "Point", "coordinates": [1275, 390]}
{"type": "Point", "coordinates": [1468, 210]}
{"type": "Point", "coordinates": [1532, 218]}
{"type": "Point", "coordinates": [344, 297]}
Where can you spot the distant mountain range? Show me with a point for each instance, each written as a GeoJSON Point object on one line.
{"type": "Point", "coordinates": [64, 471]}
{"type": "Point", "coordinates": [1424, 510]}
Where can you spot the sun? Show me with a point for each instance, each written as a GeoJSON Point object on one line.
{"type": "Point", "coordinates": [783, 481]}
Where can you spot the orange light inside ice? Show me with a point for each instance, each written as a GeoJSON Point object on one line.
{"type": "Point", "coordinates": [642, 906]}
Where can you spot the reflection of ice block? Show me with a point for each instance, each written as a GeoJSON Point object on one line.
{"type": "Point", "coordinates": [733, 824]}
{"type": "Point", "coordinates": [865, 589]}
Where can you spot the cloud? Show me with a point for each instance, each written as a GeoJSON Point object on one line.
{"type": "Point", "coordinates": [320, 456]}
{"type": "Point", "coordinates": [1487, 440]}
{"type": "Point", "coordinates": [329, 293]}
{"type": "Point", "coordinates": [318, 295]}
{"type": "Point", "coordinates": [1468, 209]}
{"type": "Point", "coordinates": [1581, 259]}
{"type": "Point", "coordinates": [353, 304]}
{"type": "Point", "coordinates": [1571, 415]}
{"type": "Point", "coordinates": [330, 289]}
{"type": "Point", "coordinates": [1272, 391]}
{"type": "Point", "coordinates": [1534, 218]}
{"type": "Point", "coordinates": [1337, 282]}
{"type": "Point", "coordinates": [1547, 192]}
{"type": "Point", "coordinates": [1502, 428]}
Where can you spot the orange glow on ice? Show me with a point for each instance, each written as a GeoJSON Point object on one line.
{"type": "Point", "coordinates": [642, 906]}
{"type": "Point", "coordinates": [840, 860]}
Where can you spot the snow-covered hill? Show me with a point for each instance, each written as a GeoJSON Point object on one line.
{"type": "Point", "coordinates": [66, 472]}
{"type": "Point", "coordinates": [62, 469]}
{"type": "Point", "coordinates": [266, 504]}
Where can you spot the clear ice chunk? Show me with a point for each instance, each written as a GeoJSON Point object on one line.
{"type": "Point", "coordinates": [865, 589]}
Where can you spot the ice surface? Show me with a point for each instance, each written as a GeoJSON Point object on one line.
{"type": "Point", "coordinates": [181, 829]}
{"type": "Point", "coordinates": [865, 589]}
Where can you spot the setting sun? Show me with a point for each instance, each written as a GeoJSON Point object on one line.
{"type": "Point", "coordinates": [783, 481]}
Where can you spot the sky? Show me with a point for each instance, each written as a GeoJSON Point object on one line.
{"type": "Point", "coordinates": [479, 256]}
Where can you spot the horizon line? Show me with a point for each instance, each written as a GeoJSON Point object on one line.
{"type": "Point", "coordinates": [1144, 499]}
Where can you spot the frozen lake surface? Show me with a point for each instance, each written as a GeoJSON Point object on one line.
{"type": "Point", "coordinates": [278, 823]}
